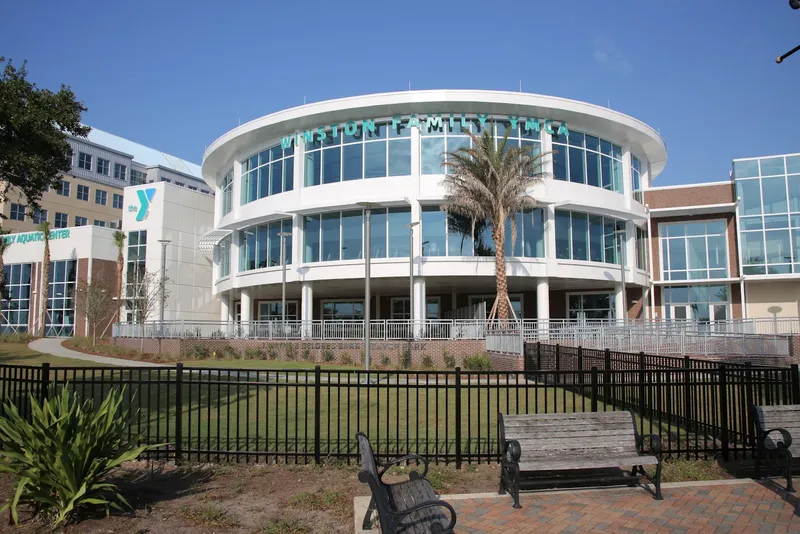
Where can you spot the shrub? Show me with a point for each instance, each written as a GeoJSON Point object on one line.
{"type": "Point", "coordinates": [346, 359]}
{"type": "Point", "coordinates": [427, 361]}
{"type": "Point", "coordinates": [306, 354]}
{"type": "Point", "coordinates": [228, 351]}
{"type": "Point", "coordinates": [385, 361]}
{"type": "Point", "coordinates": [198, 352]}
{"type": "Point", "coordinates": [405, 358]}
{"type": "Point", "coordinates": [327, 355]}
{"type": "Point", "coordinates": [449, 361]}
{"type": "Point", "coordinates": [253, 354]}
{"type": "Point", "coordinates": [17, 337]}
{"type": "Point", "coordinates": [290, 352]}
{"type": "Point", "coordinates": [61, 457]}
{"type": "Point", "coordinates": [272, 353]}
{"type": "Point", "coordinates": [478, 362]}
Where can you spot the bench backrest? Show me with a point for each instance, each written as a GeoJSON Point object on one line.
{"type": "Point", "coordinates": [369, 475]}
{"type": "Point", "coordinates": [786, 417]}
{"type": "Point", "coordinates": [591, 432]}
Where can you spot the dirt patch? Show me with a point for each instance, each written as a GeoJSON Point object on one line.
{"type": "Point", "coordinates": [247, 498]}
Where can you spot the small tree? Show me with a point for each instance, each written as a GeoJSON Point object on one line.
{"type": "Point", "coordinates": [96, 303]}
{"type": "Point", "coordinates": [144, 293]}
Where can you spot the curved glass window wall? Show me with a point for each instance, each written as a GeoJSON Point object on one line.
{"type": "Point", "coordinates": [694, 251]}
{"type": "Point", "coordinates": [446, 234]}
{"type": "Point", "coordinates": [636, 180]}
{"type": "Point", "coordinates": [580, 236]}
{"type": "Point", "coordinates": [769, 214]}
{"type": "Point", "coordinates": [439, 139]}
{"type": "Point", "coordinates": [267, 173]}
{"type": "Point", "coordinates": [585, 159]}
{"type": "Point", "coordinates": [260, 246]}
{"type": "Point", "coordinates": [366, 153]}
{"type": "Point", "coordinates": [226, 187]}
{"type": "Point", "coordinates": [225, 257]}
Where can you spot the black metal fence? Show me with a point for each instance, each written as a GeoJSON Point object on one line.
{"type": "Point", "coordinates": [306, 416]}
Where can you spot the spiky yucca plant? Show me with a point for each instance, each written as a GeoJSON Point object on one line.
{"type": "Point", "coordinates": [492, 182]}
{"type": "Point", "coordinates": [62, 456]}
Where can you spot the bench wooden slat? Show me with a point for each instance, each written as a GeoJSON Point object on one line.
{"type": "Point", "coordinates": [411, 493]}
{"type": "Point", "coordinates": [586, 462]}
{"type": "Point", "coordinates": [604, 433]}
{"type": "Point", "coordinates": [542, 446]}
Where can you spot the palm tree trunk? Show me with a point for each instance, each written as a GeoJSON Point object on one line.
{"type": "Point", "coordinates": [45, 285]}
{"type": "Point", "coordinates": [498, 234]}
{"type": "Point", "coordinates": [120, 268]}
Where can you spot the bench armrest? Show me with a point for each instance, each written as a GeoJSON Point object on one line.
{"type": "Point", "coordinates": [386, 465]}
{"type": "Point", "coordinates": [655, 444]}
{"type": "Point", "coordinates": [511, 451]}
{"type": "Point", "coordinates": [429, 504]}
{"type": "Point", "coordinates": [785, 436]}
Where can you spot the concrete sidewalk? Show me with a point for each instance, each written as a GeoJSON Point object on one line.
{"type": "Point", "coordinates": [50, 345]}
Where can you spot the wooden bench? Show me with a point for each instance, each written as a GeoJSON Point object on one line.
{"type": "Point", "coordinates": [775, 426]}
{"type": "Point", "coordinates": [553, 443]}
{"type": "Point", "coordinates": [411, 506]}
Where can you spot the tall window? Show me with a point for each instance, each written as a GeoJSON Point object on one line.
{"type": "Point", "coordinates": [63, 188]}
{"type": "Point", "coordinates": [696, 302]}
{"type": "Point", "coordinates": [401, 308]}
{"type": "Point", "coordinates": [138, 177]}
{"type": "Point", "coordinates": [225, 257]}
{"type": "Point", "coordinates": [39, 216]}
{"type": "Point", "coordinates": [117, 201]}
{"type": "Point", "coordinates": [641, 248]}
{"type": "Point", "coordinates": [354, 153]}
{"type": "Point", "coordinates": [343, 310]}
{"type": "Point", "coordinates": [17, 212]}
{"type": "Point", "coordinates": [135, 266]}
{"type": "Point", "coordinates": [591, 306]}
{"type": "Point", "coordinates": [694, 251]}
{"type": "Point", "coordinates": [84, 161]}
{"type": "Point", "coordinates": [450, 135]}
{"type": "Point", "coordinates": [16, 302]}
{"type": "Point", "coordinates": [100, 197]}
{"type": "Point", "coordinates": [260, 246]}
{"type": "Point", "coordinates": [580, 236]}
{"type": "Point", "coordinates": [61, 220]}
{"type": "Point", "coordinates": [585, 159]}
{"type": "Point", "coordinates": [227, 193]}
{"type": "Point", "coordinates": [61, 298]}
{"type": "Point", "coordinates": [333, 236]}
{"type": "Point", "coordinates": [453, 235]}
{"type": "Point", "coordinates": [120, 171]}
{"type": "Point", "coordinates": [769, 214]}
{"type": "Point", "coordinates": [636, 180]}
{"type": "Point", "coordinates": [270, 310]}
{"type": "Point", "coordinates": [267, 173]}
{"type": "Point", "coordinates": [103, 166]}
{"type": "Point", "coordinates": [83, 192]}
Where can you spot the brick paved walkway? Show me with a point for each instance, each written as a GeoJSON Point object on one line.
{"type": "Point", "coordinates": [744, 506]}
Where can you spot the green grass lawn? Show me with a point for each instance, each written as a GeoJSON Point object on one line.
{"type": "Point", "coordinates": [20, 354]}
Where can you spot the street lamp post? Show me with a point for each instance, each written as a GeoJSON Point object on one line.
{"type": "Point", "coordinates": [411, 276]}
{"type": "Point", "coordinates": [164, 243]}
{"type": "Point", "coordinates": [368, 207]}
{"type": "Point", "coordinates": [620, 241]}
{"type": "Point", "coordinates": [283, 235]}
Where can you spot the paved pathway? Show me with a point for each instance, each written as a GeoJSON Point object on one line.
{"type": "Point", "coordinates": [724, 506]}
{"type": "Point", "coordinates": [51, 345]}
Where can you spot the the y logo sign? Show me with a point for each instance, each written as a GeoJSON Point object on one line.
{"type": "Point", "coordinates": [145, 198]}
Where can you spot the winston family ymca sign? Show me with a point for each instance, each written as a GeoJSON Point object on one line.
{"type": "Point", "coordinates": [30, 237]}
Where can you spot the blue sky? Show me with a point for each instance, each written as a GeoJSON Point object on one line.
{"type": "Point", "coordinates": [176, 75]}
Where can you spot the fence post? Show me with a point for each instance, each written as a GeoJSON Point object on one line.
{"type": "Point", "coordinates": [558, 365]}
{"type": "Point", "coordinates": [458, 417]}
{"type": "Point", "coordinates": [723, 411]}
{"type": "Point", "coordinates": [594, 389]}
{"type": "Point", "coordinates": [607, 379]}
{"type": "Point", "coordinates": [178, 412]}
{"type": "Point", "coordinates": [795, 380]}
{"type": "Point", "coordinates": [608, 359]}
{"type": "Point", "coordinates": [749, 426]}
{"type": "Point", "coordinates": [44, 382]}
{"type": "Point", "coordinates": [642, 379]}
{"type": "Point", "coordinates": [538, 355]}
{"type": "Point", "coordinates": [317, 401]}
{"type": "Point", "coordinates": [580, 358]}
{"type": "Point", "coordinates": [687, 393]}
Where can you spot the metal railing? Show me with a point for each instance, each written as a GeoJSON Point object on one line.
{"type": "Point", "coordinates": [312, 415]}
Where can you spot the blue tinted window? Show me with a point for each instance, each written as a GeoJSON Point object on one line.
{"type": "Point", "coordinates": [374, 160]}
{"type": "Point", "coordinates": [276, 178]}
{"type": "Point", "coordinates": [792, 164]}
{"type": "Point", "coordinates": [749, 191]}
{"type": "Point", "coordinates": [331, 165]}
{"type": "Point", "coordinates": [431, 155]}
{"type": "Point", "coordinates": [745, 169]}
{"type": "Point", "coordinates": [595, 238]}
{"type": "Point", "coordinates": [576, 171]}
{"type": "Point", "coordinates": [311, 238]}
{"type": "Point", "coordinates": [772, 166]}
{"type": "Point", "coordinates": [399, 218]}
{"type": "Point", "coordinates": [752, 248]}
{"type": "Point", "coordinates": [778, 246]}
{"type": "Point", "coordinates": [560, 162]}
{"type": "Point", "coordinates": [533, 233]}
{"type": "Point", "coordinates": [378, 233]}
{"type": "Point", "coordinates": [433, 231]}
{"type": "Point", "coordinates": [580, 231]}
{"type": "Point", "coordinates": [313, 168]}
{"type": "Point", "coordinates": [773, 191]}
{"type": "Point", "coordinates": [563, 235]}
{"type": "Point", "coordinates": [517, 243]}
{"type": "Point", "coordinates": [459, 238]}
{"type": "Point", "coordinates": [352, 162]}
{"type": "Point", "coordinates": [400, 157]}
{"type": "Point", "coordinates": [351, 235]}
{"type": "Point", "coordinates": [593, 169]}
{"type": "Point", "coordinates": [330, 236]}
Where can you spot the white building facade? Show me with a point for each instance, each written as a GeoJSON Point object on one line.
{"type": "Point", "coordinates": [306, 172]}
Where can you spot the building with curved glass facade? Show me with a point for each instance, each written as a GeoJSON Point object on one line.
{"type": "Point", "coordinates": [302, 174]}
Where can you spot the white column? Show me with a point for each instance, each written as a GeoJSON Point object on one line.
{"type": "Point", "coordinates": [550, 237]}
{"type": "Point", "coordinates": [307, 308]}
{"type": "Point", "coordinates": [418, 313]}
{"type": "Point", "coordinates": [630, 251]}
{"type": "Point", "coordinates": [224, 307]}
{"type": "Point", "coordinates": [543, 306]}
{"type": "Point", "coordinates": [619, 305]}
{"type": "Point", "coordinates": [297, 239]}
{"type": "Point", "coordinates": [247, 305]}
{"type": "Point", "coordinates": [627, 179]}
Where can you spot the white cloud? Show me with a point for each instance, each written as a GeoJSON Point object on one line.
{"type": "Point", "coordinates": [608, 55]}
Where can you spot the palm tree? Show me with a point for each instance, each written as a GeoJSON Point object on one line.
{"type": "Point", "coordinates": [44, 227]}
{"type": "Point", "coordinates": [119, 240]}
{"type": "Point", "coordinates": [491, 182]}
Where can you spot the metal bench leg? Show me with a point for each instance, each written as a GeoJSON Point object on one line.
{"type": "Point", "coordinates": [657, 482]}
{"type": "Point", "coordinates": [788, 469]}
{"type": "Point", "coordinates": [634, 470]}
{"type": "Point", "coordinates": [515, 486]}
{"type": "Point", "coordinates": [367, 524]}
